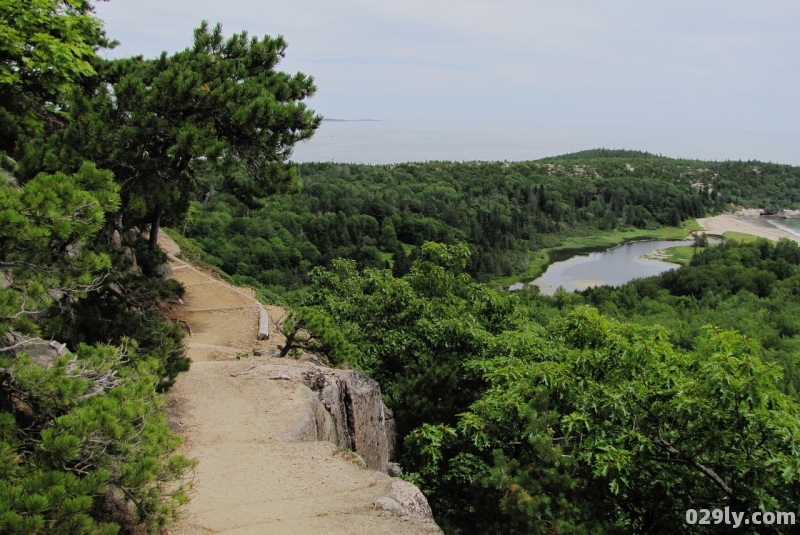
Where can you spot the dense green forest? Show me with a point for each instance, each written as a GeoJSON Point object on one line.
{"type": "Point", "coordinates": [505, 212]}
{"type": "Point", "coordinates": [751, 287]}
{"type": "Point", "coordinates": [532, 414]}
{"type": "Point", "coordinates": [596, 412]}
{"type": "Point", "coordinates": [613, 410]}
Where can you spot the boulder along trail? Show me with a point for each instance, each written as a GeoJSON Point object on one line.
{"type": "Point", "coordinates": [254, 428]}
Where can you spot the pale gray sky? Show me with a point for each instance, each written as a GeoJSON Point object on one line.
{"type": "Point", "coordinates": [700, 64]}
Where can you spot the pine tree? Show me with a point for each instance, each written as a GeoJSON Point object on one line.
{"type": "Point", "coordinates": [81, 434]}
{"type": "Point", "coordinates": [388, 238]}
{"type": "Point", "coordinates": [43, 229]}
{"type": "Point", "coordinates": [310, 329]}
{"type": "Point", "coordinates": [402, 264]}
{"type": "Point", "coordinates": [220, 105]}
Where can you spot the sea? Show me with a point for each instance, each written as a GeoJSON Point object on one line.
{"type": "Point", "coordinates": [387, 142]}
{"type": "Point", "coordinates": [789, 225]}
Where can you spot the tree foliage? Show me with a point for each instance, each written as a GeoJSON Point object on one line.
{"type": "Point", "coordinates": [750, 287]}
{"type": "Point", "coordinates": [506, 212]}
{"type": "Point", "coordinates": [220, 105]}
{"type": "Point", "coordinates": [102, 149]}
{"type": "Point", "coordinates": [309, 329]}
{"type": "Point", "coordinates": [43, 229]}
{"type": "Point", "coordinates": [612, 430]}
{"type": "Point", "coordinates": [45, 47]}
{"type": "Point", "coordinates": [578, 424]}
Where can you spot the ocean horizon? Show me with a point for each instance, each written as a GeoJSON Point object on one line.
{"type": "Point", "coordinates": [386, 142]}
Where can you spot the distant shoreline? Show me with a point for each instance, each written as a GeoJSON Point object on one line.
{"type": "Point", "coordinates": [398, 140]}
{"type": "Point", "coordinates": [746, 222]}
{"type": "Point", "coordinates": [352, 120]}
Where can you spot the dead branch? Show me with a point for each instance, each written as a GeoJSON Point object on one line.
{"type": "Point", "coordinates": [247, 371]}
{"type": "Point", "coordinates": [706, 471]}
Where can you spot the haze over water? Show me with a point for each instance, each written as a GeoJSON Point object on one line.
{"type": "Point", "coordinates": [384, 142]}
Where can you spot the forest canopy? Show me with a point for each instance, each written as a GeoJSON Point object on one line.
{"type": "Point", "coordinates": [608, 411]}
{"type": "Point", "coordinates": [532, 414]}
{"type": "Point", "coordinates": [506, 212]}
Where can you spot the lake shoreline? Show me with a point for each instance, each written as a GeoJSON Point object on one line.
{"type": "Point", "coordinates": [580, 245]}
{"type": "Point", "coordinates": [746, 221]}
{"type": "Point", "coordinates": [617, 265]}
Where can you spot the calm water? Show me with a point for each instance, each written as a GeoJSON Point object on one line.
{"type": "Point", "coordinates": [615, 267]}
{"type": "Point", "coordinates": [397, 141]}
{"type": "Point", "coordinates": [789, 225]}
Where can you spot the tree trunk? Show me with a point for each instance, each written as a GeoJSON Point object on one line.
{"type": "Point", "coordinates": [155, 226]}
{"type": "Point", "coordinates": [288, 346]}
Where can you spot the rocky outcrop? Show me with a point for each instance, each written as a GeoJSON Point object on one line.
{"type": "Point", "coordinates": [788, 214]}
{"type": "Point", "coordinates": [348, 411]}
{"type": "Point", "coordinates": [257, 478]}
{"type": "Point", "coordinates": [404, 499]}
{"type": "Point", "coordinates": [391, 431]}
{"type": "Point", "coordinates": [164, 271]}
{"type": "Point", "coordinates": [42, 352]}
{"type": "Point", "coordinates": [762, 212]}
{"type": "Point", "coordinates": [314, 424]}
{"type": "Point", "coordinates": [345, 407]}
{"type": "Point", "coordinates": [168, 245]}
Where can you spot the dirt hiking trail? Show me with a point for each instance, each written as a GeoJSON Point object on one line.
{"type": "Point", "coordinates": [249, 480]}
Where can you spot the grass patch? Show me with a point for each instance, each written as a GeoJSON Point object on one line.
{"type": "Point", "coordinates": [680, 254]}
{"type": "Point", "coordinates": [740, 236]}
{"type": "Point", "coordinates": [386, 257]}
{"type": "Point", "coordinates": [574, 245]}
{"type": "Point", "coordinates": [692, 225]}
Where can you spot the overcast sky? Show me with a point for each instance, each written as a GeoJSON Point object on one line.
{"type": "Point", "coordinates": [699, 64]}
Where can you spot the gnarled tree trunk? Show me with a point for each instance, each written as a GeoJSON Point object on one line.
{"type": "Point", "coordinates": [155, 226]}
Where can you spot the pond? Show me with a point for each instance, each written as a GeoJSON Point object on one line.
{"type": "Point", "coordinates": [615, 267]}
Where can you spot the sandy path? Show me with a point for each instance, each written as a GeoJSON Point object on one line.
{"type": "Point", "coordinates": [748, 225]}
{"type": "Point", "coordinates": [248, 480]}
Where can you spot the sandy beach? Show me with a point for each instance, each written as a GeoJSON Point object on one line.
{"type": "Point", "coordinates": [745, 223]}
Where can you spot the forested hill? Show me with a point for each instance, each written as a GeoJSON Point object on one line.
{"type": "Point", "coordinates": [503, 211]}
{"type": "Point", "coordinates": [746, 183]}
